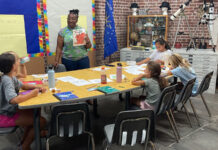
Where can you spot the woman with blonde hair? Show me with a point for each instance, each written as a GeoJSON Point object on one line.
{"type": "Point", "coordinates": [182, 69]}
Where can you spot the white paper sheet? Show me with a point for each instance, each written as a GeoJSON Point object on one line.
{"type": "Point", "coordinates": [40, 75]}
{"type": "Point", "coordinates": [74, 81]}
{"type": "Point", "coordinates": [68, 79]}
{"type": "Point", "coordinates": [94, 81]}
{"type": "Point", "coordinates": [80, 82]}
{"type": "Point", "coordinates": [99, 69]}
{"type": "Point", "coordinates": [114, 76]}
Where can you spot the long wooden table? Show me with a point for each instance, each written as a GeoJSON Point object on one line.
{"type": "Point", "coordinates": [47, 99]}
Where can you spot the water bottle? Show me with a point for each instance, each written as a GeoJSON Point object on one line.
{"type": "Point", "coordinates": [51, 77]}
{"type": "Point", "coordinates": [103, 76]}
{"type": "Point", "coordinates": [24, 60]}
{"type": "Point", "coordinates": [153, 45]}
{"type": "Point", "coordinates": [119, 73]}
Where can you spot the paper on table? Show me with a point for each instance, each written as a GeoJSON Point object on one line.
{"type": "Point", "coordinates": [74, 81]}
{"type": "Point", "coordinates": [143, 66]}
{"type": "Point", "coordinates": [134, 71]}
{"type": "Point", "coordinates": [99, 80]}
{"type": "Point", "coordinates": [80, 82]}
{"type": "Point", "coordinates": [99, 69]}
{"type": "Point", "coordinates": [114, 76]}
{"type": "Point", "coordinates": [68, 79]}
{"type": "Point", "coordinates": [40, 75]}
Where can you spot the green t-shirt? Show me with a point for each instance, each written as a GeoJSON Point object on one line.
{"type": "Point", "coordinates": [70, 51]}
{"type": "Point", "coordinates": [153, 92]}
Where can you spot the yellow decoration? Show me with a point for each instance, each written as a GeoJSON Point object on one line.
{"type": "Point", "coordinates": [81, 22]}
{"type": "Point", "coordinates": [12, 34]}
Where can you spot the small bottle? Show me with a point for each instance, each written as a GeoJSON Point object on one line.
{"type": "Point", "coordinates": [119, 73]}
{"type": "Point", "coordinates": [51, 77]}
{"type": "Point", "coordinates": [103, 76]}
{"type": "Point", "coordinates": [153, 45]}
{"type": "Point", "coordinates": [24, 60]}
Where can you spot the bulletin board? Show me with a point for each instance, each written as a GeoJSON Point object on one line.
{"type": "Point", "coordinates": [20, 26]}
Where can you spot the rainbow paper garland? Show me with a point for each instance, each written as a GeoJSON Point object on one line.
{"type": "Point", "coordinates": [93, 17]}
{"type": "Point", "coordinates": [40, 26]}
{"type": "Point", "coordinates": [39, 12]}
{"type": "Point", "coordinates": [46, 26]}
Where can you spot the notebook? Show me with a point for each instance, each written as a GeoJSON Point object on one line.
{"type": "Point", "coordinates": [107, 89]}
{"type": "Point", "coordinates": [63, 96]}
{"type": "Point", "coordinates": [33, 82]}
{"type": "Point", "coordinates": [25, 92]}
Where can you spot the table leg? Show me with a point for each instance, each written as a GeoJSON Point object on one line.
{"type": "Point", "coordinates": [175, 80]}
{"type": "Point", "coordinates": [127, 100]}
{"type": "Point", "coordinates": [95, 108]}
{"type": "Point", "coordinates": [120, 97]}
{"type": "Point", "coordinates": [37, 128]}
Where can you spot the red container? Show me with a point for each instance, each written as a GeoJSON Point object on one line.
{"type": "Point", "coordinates": [178, 45]}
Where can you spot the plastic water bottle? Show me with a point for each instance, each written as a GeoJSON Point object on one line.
{"type": "Point", "coordinates": [153, 45]}
{"type": "Point", "coordinates": [103, 76]}
{"type": "Point", "coordinates": [24, 60]}
{"type": "Point", "coordinates": [51, 77]}
{"type": "Point", "coordinates": [119, 73]}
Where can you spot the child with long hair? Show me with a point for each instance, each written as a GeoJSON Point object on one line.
{"type": "Point", "coordinates": [153, 85]}
{"type": "Point", "coordinates": [162, 50]}
{"type": "Point", "coordinates": [9, 99]}
{"type": "Point", "coordinates": [182, 69]}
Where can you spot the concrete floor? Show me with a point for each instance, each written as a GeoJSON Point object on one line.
{"type": "Point", "coordinates": [196, 138]}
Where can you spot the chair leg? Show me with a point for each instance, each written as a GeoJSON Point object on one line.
{"type": "Point", "coordinates": [173, 119]}
{"type": "Point", "coordinates": [90, 141]}
{"type": "Point", "coordinates": [187, 114]}
{"type": "Point", "coordinates": [152, 145]}
{"type": "Point", "coordinates": [205, 104]}
{"type": "Point", "coordinates": [95, 108]}
{"type": "Point", "coordinates": [194, 111]}
{"type": "Point", "coordinates": [174, 131]}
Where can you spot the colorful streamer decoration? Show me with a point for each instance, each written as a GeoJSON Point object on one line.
{"type": "Point", "coordinates": [93, 17]}
{"type": "Point", "coordinates": [39, 12]}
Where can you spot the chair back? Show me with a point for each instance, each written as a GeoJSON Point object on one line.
{"type": "Point", "coordinates": [70, 120]}
{"type": "Point", "coordinates": [166, 99]}
{"type": "Point", "coordinates": [60, 68]}
{"type": "Point", "coordinates": [132, 127]}
{"type": "Point", "coordinates": [83, 142]}
{"type": "Point", "coordinates": [205, 83]}
{"type": "Point", "coordinates": [186, 92]}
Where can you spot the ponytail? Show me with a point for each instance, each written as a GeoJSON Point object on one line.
{"type": "Point", "coordinates": [161, 41]}
{"type": "Point", "coordinates": [162, 83]}
{"type": "Point", "coordinates": [155, 70]}
{"type": "Point", "coordinates": [185, 63]}
{"type": "Point", "coordinates": [167, 46]}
